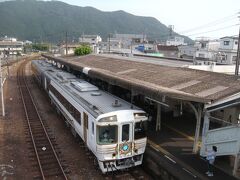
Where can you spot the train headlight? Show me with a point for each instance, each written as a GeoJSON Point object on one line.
{"type": "Point", "coordinates": [109, 119]}
{"type": "Point", "coordinates": [140, 115]}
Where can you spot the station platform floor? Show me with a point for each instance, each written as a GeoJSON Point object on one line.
{"type": "Point", "coordinates": [177, 146]}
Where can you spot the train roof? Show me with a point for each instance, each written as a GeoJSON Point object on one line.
{"type": "Point", "coordinates": [98, 101]}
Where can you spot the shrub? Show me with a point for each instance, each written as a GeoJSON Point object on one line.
{"type": "Point", "coordinates": [83, 50]}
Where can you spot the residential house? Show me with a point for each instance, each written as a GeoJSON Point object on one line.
{"type": "Point", "coordinates": [206, 49]}
{"type": "Point", "coordinates": [168, 51]}
{"type": "Point", "coordinates": [175, 41]}
{"type": "Point", "coordinates": [70, 49]}
{"type": "Point", "coordinates": [113, 43]}
{"type": "Point", "coordinates": [127, 40]}
{"type": "Point", "coordinates": [187, 51]}
{"type": "Point", "coordinates": [10, 46]}
{"type": "Point", "coordinates": [227, 53]}
{"type": "Point", "coordinates": [90, 39]}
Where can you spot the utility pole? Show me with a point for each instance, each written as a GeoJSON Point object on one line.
{"type": "Point", "coordinates": [66, 41]}
{"type": "Point", "coordinates": [109, 43]}
{"type": "Point", "coordinates": [131, 46]}
{"type": "Point", "coordinates": [82, 37]}
{"type": "Point", "coordinates": [171, 27]}
{"type": "Point", "coordinates": [1, 87]}
{"type": "Point", "coordinates": [238, 53]}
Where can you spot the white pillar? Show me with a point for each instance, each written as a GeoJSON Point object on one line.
{"type": "Point", "coordinates": [1, 88]}
{"type": "Point", "coordinates": [198, 115]}
{"type": "Point", "coordinates": [197, 131]}
{"type": "Point", "coordinates": [236, 162]}
{"type": "Point", "coordinates": [204, 132]}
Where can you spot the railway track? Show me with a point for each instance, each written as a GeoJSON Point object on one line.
{"type": "Point", "coordinates": [48, 163]}
{"type": "Point", "coordinates": [135, 173]}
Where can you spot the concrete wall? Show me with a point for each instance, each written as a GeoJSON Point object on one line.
{"type": "Point", "coordinates": [226, 69]}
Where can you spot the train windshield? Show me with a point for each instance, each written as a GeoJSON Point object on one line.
{"type": "Point", "coordinates": [140, 129]}
{"type": "Point", "coordinates": [107, 134]}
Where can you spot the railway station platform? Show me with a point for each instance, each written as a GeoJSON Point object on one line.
{"type": "Point", "coordinates": [209, 97]}
{"type": "Point", "coordinates": [175, 146]}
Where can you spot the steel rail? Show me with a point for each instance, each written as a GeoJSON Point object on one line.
{"type": "Point", "coordinates": [23, 83]}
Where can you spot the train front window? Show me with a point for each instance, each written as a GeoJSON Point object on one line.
{"type": "Point", "coordinates": [107, 134]}
{"type": "Point", "coordinates": [140, 130]}
{"type": "Point", "coordinates": [125, 132]}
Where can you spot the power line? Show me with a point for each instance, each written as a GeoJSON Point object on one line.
{"type": "Point", "coordinates": [210, 24]}
{"type": "Point", "coordinates": [226, 27]}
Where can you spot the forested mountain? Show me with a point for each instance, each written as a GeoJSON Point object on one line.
{"type": "Point", "coordinates": [50, 20]}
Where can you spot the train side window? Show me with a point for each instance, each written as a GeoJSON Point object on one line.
{"type": "Point", "coordinates": [80, 118]}
{"type": "Point", "coordinates": [140, 130]}
{"type": "Point", "coordinates": [125, 132]}
{"type": "Point", "coordinates": [92, 128]}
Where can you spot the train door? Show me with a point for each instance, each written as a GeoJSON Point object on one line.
{"type": "Point", "coordinates": [127, 132]}
{"type": "Point", "coordinates": [126, 139]}
{"type": "Point", "coordinates": [85, 126]}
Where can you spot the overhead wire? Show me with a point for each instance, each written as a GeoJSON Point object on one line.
{"type": "Point", "coordinates": [210, 24]}
{"type": "Point", "coordinates": [226, 27]}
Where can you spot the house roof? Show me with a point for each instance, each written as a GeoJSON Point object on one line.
{"type": "Point", "coordinates": [70, 45]}
{"type": "Point", "coordinates": [154, 80]}
{"type": "Point", "coordinates": [167, 48]}
{"type": "Point", "coordinates": [9, 43]}
{"type": "Point", "coordinates": [229, 37]}
{"type": "Point", "coordinates": [89, 36]}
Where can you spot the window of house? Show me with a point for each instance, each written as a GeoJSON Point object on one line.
{"type": "Point", "coordinates": [234, 58]}
{"type": "Point", "coordinates": [226, 43]}
{"type": "Point", "coordinates": [203, 45]}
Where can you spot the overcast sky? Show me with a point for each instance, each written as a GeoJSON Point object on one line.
{"type": "Point", "coordinates": [217, 16]}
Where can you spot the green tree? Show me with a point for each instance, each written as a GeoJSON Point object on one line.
{"type": "Point", "coordinates": [83, 50]}
{"type": "Point", "coordinates": [40, 47]}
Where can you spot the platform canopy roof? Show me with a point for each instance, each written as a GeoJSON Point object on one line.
{"type": "Point", "coordinates": [156, 81]}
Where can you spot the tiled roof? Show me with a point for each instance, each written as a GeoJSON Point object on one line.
{"type": "Point", "coordinates": [156, 80]}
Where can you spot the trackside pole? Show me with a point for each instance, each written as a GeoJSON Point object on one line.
{"type": "Point", "coordinates": [1, 84]}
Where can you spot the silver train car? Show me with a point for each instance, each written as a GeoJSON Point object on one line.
{"type": "Point", "coordinates": [113, 129]}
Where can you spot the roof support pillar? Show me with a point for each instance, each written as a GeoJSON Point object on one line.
{"type": "Point", "coordinates": [159, 119]}
{"type": "Point", "coordinates": [204, 131]}
{"type": "Point", "coordinates": [236, 163]}
{"type": "Point", "coordinates": [237, 159]}
{"type": "Point", "coordinates": [198, 114]}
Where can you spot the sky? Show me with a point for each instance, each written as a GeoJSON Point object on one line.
{"type": "Point", "coordinates": [193, 18]}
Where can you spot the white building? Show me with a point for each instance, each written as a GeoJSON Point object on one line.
{"type": "Point", "coordinates": [90, 39]}
{"type": "Point", "coordinates": [127, 40]}
{"type": "Point", "coordinates": [175, 41]}
{"type": "Point", "coordinates": [206, 49]}
{"type": "Point", "coordinates": [187, 51]}
{"type": "Point", "coordinates": [227, 53]}
{"type": "Point", "coordinates": [11, 46]}
{"type": "Point", "coordinates": [113, 43]}
{"type": "Point", "coordinates": [70, 49]}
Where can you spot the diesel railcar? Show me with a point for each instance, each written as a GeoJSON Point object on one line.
{"type": "Point", "coordinates": [113, 129]}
